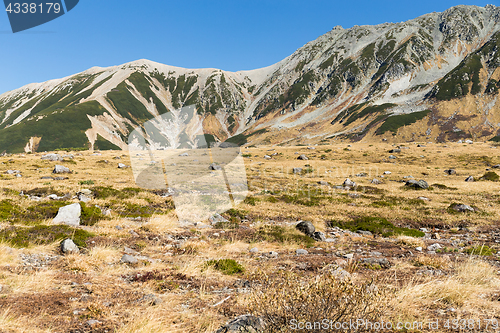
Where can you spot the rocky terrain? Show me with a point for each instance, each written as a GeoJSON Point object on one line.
{"type": "Point", "coordinates": [434, 78]}
{"type": "Point", "coordinates": [405, 233]}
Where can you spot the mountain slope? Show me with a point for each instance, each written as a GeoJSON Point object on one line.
{"type": "Point", "coordinates": [349, 83]}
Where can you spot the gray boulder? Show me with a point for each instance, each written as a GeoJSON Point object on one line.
{"type": "Point", "coordinates": [303, 157]}
{"type": "Point", "coordinates": [68, 246]}
{"type": "Point", "coordinates": [421, 184]}
{"type": "Point", "coordinates": [69, 215]}
{"type": "Point", "coordinates": [469, 179]}
{"type": "Point", "coordinates": [297, 170]}
{"type": "Point", "coordinates": [319, 236]}
{"type": "Point", "coordinates": [349, 183]}
{"type": "Point", "coordinates": [243, 324]}
{"type": "Point", "coordinates": [462, 208]}
{"type": "Point", "coordinates": [128, 259]}
{"type": "Point", "coordinates": [214, 166]}
{"type": "Point", "coordinates": [52, 157]}
{"type": "Point", "coordinates": [306, 227]}
{"type": "Point", "coordinates": [60, 169]}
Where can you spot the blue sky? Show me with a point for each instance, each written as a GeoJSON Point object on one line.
{"type": "Point", "coordinates": [227, 34]}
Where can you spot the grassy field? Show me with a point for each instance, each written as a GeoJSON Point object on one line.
{"type": "Point", "coordinates": [195, 278]}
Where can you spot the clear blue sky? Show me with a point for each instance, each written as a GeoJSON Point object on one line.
{"type": "Point", "coordinates": [227, 34]}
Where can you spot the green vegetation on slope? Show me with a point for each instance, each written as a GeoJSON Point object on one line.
{"type": "Point", "coordinates": [394, 122]}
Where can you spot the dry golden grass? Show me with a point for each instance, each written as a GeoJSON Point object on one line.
{"type": "Point", "coordinates": [277, 198]}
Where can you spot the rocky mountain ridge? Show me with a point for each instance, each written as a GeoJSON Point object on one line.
{"type": "Point", "coordinates": [432, 78]}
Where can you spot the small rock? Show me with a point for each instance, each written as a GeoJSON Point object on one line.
{"type": "Point", "coordinates": [392, 157]}
{"type": "Point", "coordinates": [376, 181]}
{"type": "Point", "coordinates": [387, 172]}
{"type": "Point", "coordinates": [128, 259]}
{"type": "Point", "coordinates": [318, 236]}
{"type": "Point", "coordinates": [349, 256]}
{"type": "Point", "coordinates": [419, 249]}
{"type": "Point", "coordinates": [462, 208]}
{"type": "Point", "coordinates": [303, 157]}
{"type": "Point", "coordinates": [297, 170]}
{"type": "Point", "coordinates": [395, 150]}
{"type": "Point", "coordinates": [365, 233]}
{"type": "Point", "coordinates": [306, 227]}
{"type": "Point", "coordinates": [267, 157]}
{"type": "Point", "coordinates": [301, 252]}
{"type": "Point", "coordinates": [450, 171]}
{"type": "Point", "coordinates": [421, 184]}
{"type": "Point", "coordinates": [254, 250]}
{"type": "Point", "coordinates": [60, 169]}
{"type": "Point", "coordinates": [217, 218]}
{"type": "Point", "coordinates": [68, 246]}
{"type": "Point", "coordinates": [52, 157]}
{"type": "Point", "coordinates": [245, 323]}
{"type": "Point", "coordinates": [273, 254]}
{"type": "Point", "coordinates": [434, 247]}
{"type": "Point", "coordinates": [383, 262]}
{"type": "Point", "coordinates": [349, 183]}
{"type": "Point", "coordinates": [122, 166]}
{"type": "Point", "coordinates": [69, 215]}
{"type": "Point", "coordinates": [469, 179]}
{"type": "Point", "coordinates": [184, 155]}
{"type": "Point", "coordinates": [322, 182]}
{"type": "Point", "coordinates": [435, 236]}
{"type": "Point", "coordinates": [214, 166]}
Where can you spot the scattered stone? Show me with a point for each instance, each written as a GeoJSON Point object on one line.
{"type": "Point", "coordinates": [419, 249]}
{"type": "Point", "coordinates": [496, 166]}
{"type": "Point", "coordinates": [54, 197]}
{"type": "Point", "coordinates": [149, 299]}
{"type": "Point", "coordinates": [244, 323]}
{"type": "Point", "coordinates": [60, 178]}
{"type": "Point", "coordinates": [435, 236]}
{"type": "Point", "coordinates": [395, 150]}
{"type": "Point", "coordinates": [217, 218]}
{"type": "Point", "coordinates": [214, 166]}
{"type": "Point", "coordinates": [421, 184]}
{"type": "Point", "coordinates": [462, 208]}
{"type": "Point", "coordinates": [376, 181]}
{"type": "Point", "coordinates": [184, 155]}
{"type": "Point", "coordinates": [322, 182]}
{"type": "Point", "coordinates": [68, 246]}
{"type": "Point", "coordinates": [349, 183]}
{"type": "Point", "coordinates": [267, 157]}
{"type": "Point", "coordinates": [273, 254]}
{"type": "Point", "coordinates": [387, 172]}
{"type": "Point", "coordinates": [69, 215]}
{"type": "Point", "coordinates": [392, 157]}
{"type": "Point", "coordinates": [362, 174]}
{"type": "Point", "coordinates": [52, 157]}
{"type": "Point", "coordinates": [349, 256]}
{"type": "Point", "coordinates": [318, 236]}
{"type": "Point", "coordinates": [303, 157]}
{"type": "Point", "coordinates": [423, 198]}
{"type": "Point", "coordinates": [254, 250]}
{"type": "Point", "coordinates": [60, 169]}
{"type": "Point", "coordinates": [450, 172]}
{"type": "Point", "coordinates": [128, 259]}
{"type": "Point", "coordinates": [469, 179]}
{"type": "Point", "coordinates": [12, 172]}
{"type": "Point", "coordinates": [434, 247]}
{"type": "Point", "coordinates": [383, 262]}
{"type": "Point", "coordinates": [365, 232]}
{"type": "Point", "coordinates": [301, 252]}
{"type": "Point", "coordinates": [122, 166]}
{"type": "Point", "coordinates": [306, 227]}
{"type": "Point", "coordinates": [48, 178]}
{"type": "Point", "coordinates": [297, 170]}
{"type": "Point", "coordinates": [469, 141]}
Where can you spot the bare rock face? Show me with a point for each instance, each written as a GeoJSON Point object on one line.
{"type": "Point", "coordinates": [69, 215]}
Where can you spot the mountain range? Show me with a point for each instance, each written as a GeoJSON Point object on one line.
{"type": "Point", "coordinates": [433, 78]}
